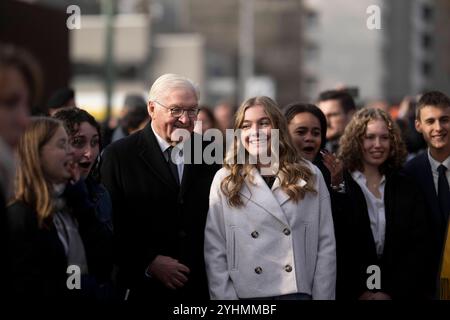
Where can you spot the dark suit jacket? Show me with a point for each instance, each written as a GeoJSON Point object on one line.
{"type": "Point", "coordinates": [419, 169]}
{"type": "Point", "coordinates": [36, 260]}
{"type": "Point", "coordinates": [341, 205]}
{"type": "Point", "coordinates": [406, 240]}
{"type": "Point", "coordinates": [153, 216]}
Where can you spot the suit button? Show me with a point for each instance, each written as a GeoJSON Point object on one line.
{"type": "Point", "coordinates": [286, 231]}
{"type": "Point", "coordinates": [288, 268]}
{"type": "Point", "coordinates": [258, 270]}
{"type": "Point", "coordinates": [255, 234]}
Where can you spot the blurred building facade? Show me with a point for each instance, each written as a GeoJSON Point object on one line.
{"type": "Point", "coordinates": [408, 55]}
{"type": "Point", "coordinates": [276, 45]}
{"type": "Point", "coordinates": [289, 49]}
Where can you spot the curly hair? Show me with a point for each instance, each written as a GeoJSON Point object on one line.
{"type": "Point", "coordinates": [351, 142]}
{"type": "Point", "coordinates": [291, 165]}
{"type": "Point", "coordinates": [72, 118]}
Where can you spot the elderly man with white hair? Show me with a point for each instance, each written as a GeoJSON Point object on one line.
{"type": "Point", "coordinates": [160, 200]}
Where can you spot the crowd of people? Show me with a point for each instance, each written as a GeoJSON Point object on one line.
{"type": "Point", "coordinates": [353, 205]}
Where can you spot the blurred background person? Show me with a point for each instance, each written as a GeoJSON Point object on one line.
{"type": "Point", "coordinates": [51, 226]}
{"type": "Point", "coordinates": [205, 120]}
{"type": "Point", "coordinates": [224, 113]}
{"type": "Point", "coordinates": [61, 98]}
{"type": "Point", "coordinates": [133, 116]}
{"type": "Point", "coordinates": [406, 118]}
{"type": "Point", "coordinates": [388, 225]}
{"type": "Point", "coordinates": [20, 88]}
{"type": "Point", "coordinates": [136, 119]}
{"type": "Point", "coordinates": [338, 107]}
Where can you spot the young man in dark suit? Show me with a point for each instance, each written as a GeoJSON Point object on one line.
{"type": "Point", "coordinates": [431, 169]}
{"type": "Point", "coordinates": [160, 200]}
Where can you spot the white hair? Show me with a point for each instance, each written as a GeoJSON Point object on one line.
{"type": "Point", "coordinates": [169, 81]}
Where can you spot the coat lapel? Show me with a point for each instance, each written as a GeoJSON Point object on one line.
{"type": "Point", "coordinates": [426, 175]}
{"type": "Point", "coordinates": [259, 193]}
{"type": "Point", "coordinates": [152, 155]}
{"type": "Point", "coordinates": [187, 177]}
{"type": "Point", "coordinates": [281, 196]}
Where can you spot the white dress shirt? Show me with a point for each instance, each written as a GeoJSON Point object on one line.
{"type": "Point", "coordinates": [178, 157]}
{"type": "Point", "coordinates": [434, 165]}
{"type": "Point", "coordinates": [375, 208]}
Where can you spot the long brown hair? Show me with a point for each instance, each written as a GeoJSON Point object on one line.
{"type": "Point", "coordinates": [31, 185]}
{"type": "Point", "coordinates": [291, 165]}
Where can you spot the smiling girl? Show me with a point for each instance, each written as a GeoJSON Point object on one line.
{"type": "Point", "coordinates": [386, 219]}
{"type": "Point", "coordinates": [269, 233]}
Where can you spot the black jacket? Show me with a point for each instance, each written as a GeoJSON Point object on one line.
{"type": "Point", "coordinates": [419, 169]}
{"type": "Point", "coordinates": [36, 260]}
{"type": "Point", "coordinates": [153, 216]}
{"type": "Point", "coordinates": [404, 260]}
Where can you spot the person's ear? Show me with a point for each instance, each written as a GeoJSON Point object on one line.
{"type": "Point", "coordinates": [418, 126]}
{"type": "Point", "coordinates": [151, 109]}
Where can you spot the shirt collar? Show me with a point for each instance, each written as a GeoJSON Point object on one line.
{"type": "Point", "coordinates": [359, 176]}
{"type": "Point", "coordinates": [163, 144]}
{"type": "Point", "coordinates": [435, 164]}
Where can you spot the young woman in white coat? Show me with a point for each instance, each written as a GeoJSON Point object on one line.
{"type": "Point", "coordinates": [269, 232]}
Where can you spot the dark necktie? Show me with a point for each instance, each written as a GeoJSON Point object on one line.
{"type": "Point", "coordinates": [443, 192]}
{"type": "Point", "coordinates": [172, 165]}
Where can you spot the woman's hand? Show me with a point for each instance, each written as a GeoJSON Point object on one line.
{"type": "Point", "coordinates": [335, 166]}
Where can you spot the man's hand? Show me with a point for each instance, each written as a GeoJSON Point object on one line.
{"type": "Point", "coordinates": [169, 271]}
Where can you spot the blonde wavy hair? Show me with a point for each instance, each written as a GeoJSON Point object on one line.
{"type": "Point", "coordinates": [292, 166]}
{"type": "Point", "coordinates": [351, 142]}
{"type": "Point", "coordinates": [32, 187]}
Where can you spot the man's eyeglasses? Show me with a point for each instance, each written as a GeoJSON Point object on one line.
{"type": "Point", "coordinates": [177, 112]}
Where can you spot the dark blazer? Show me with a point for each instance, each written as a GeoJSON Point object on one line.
{"type": "Point", "coordinates": [402, 264]}
{"type": "Point", "coordinates": [341, 204]}
{"type": "Point", "coordinates": [36, 260]}
{"type": "Point", "coordinates": [153, 216]}
{"type": "Point", "coordinates": [419, 169]}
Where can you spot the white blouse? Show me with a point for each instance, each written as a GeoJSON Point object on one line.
{"type": "Point", "coordinates": [375, 208]}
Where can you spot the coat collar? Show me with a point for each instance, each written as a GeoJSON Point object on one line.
{"type": "Point", "coordinates": [151, 154]}
{"type": "Point", "coordinates": [270, 200]}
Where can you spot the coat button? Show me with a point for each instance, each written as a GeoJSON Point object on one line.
{"type": "Point", "coordinates": [255, 234]}
{"type": "Point", "coordinates": [286, 231]}
{"type": "Point", "coordinates": [258, 270]}
{"type": "Point", "coordinates": [288, 268]}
